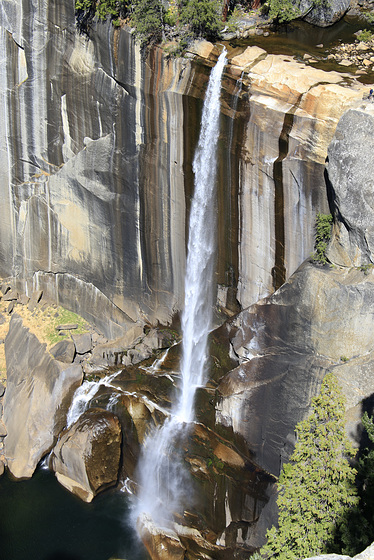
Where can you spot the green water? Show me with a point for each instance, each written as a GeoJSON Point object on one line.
{"type": "Point", "coordinates": [40, 520]}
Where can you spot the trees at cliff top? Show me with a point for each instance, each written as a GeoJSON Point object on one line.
{"type": "Point", "coordinates": [316, 489]}
{"type": "Point", "coordinates": [204, 17]}
{"type": "Point", "coordinates": [198, 17]}
{"type": "Point", "coordinates": [102, 9]}
{"type": "Point", "coordinates": [148, 18]}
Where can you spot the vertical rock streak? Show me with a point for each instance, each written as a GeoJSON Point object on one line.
{"type": "Point", "coordinates": [279, 269]}
{"type": "Point", "coordinates": [164, 484]}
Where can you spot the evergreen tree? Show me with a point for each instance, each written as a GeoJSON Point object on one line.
{"type": "Point", "coordinates": [316, 489]}
{"type": "Point", "coordinates": [359, 524]}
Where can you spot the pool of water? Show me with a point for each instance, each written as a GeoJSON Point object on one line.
{"type": "Point", "coordinates": [298, 38]}
{"type": "Point", "coordinates": [40, 520]}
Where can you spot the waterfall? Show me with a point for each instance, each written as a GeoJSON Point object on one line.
{"type": "Point", "coordinates": [84, 394]}
{"type": "Point", "coordinates": [163, 481]}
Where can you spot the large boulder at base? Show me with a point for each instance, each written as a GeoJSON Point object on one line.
{"type": "Point", "coordinates": [38, 395]}
{"type": "Point", "coordinates": [327, 13]}
{"type": "Point", "coordinates": [350, 170]}
{"type": "Point", "coordinates": [319, 321]}
{"type": "Point", "coordinates": [86, 457]}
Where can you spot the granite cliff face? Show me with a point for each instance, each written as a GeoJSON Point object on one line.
{"type": "Point", "coordinates": [96, 177]}
{"type": "Point", "coordinates": [96, 154]}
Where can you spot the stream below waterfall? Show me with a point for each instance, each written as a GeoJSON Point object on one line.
{"type": "Point", "coordinates": [40, 520]}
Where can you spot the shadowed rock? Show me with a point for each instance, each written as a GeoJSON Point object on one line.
{"type": "Point", "coordinates": [64, 351]}
{"type": "Point", "coordinates": [324, 14]}
{"type": "Point", "coordinates": [318, 321]}
{"type": "Point", "coordinates": [350, 166]}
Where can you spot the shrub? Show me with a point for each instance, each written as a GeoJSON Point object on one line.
{"type": "Point", "coordinates": [365, 36]}
{"type": "Point", "coordinates": [282, 10]}
{"type": "Point", "coordinates": [322, 237]}
{"type": "Point", "coordinates": [359, 526]}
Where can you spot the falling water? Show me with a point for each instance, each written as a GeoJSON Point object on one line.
{"type": "Point", "coordinates": [198, 300]}
{"type": "Point", "coordinates": [84, 394]}
{"type": "Point", "coordinates": [163, 482]}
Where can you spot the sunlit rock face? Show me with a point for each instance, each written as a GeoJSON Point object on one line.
{"type": "Point", "coordinates": [318, 321]}
{"type": "Point", "coordinates": [96, 154]}
{"type": "Point", "coordinates": [38, 395]}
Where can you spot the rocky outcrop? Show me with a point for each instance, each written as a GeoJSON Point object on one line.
{"type": "Point", "coordinates": [350, 166]}
{"type": "Point", "coordinates": [86, 457]}
{"type": "Point", "coordinates": [162, 544]}
{"type": "Point", "coordinates": [38, 394]}
{"type": "Point", "coordinates": [318, 321]}
{"type": "Point", "coordinates": [324, 14]}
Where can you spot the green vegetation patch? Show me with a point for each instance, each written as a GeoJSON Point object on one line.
{"type": "Point", "coordinates": [62, 316]}
{"type": "Point", "coordinates": [366, 35]}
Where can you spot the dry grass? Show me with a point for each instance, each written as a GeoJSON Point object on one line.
{"type": "Point", "coordinates": [42, 322]}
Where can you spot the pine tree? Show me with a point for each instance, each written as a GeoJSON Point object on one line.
{"type": "Point", "coordinates": [359, 526]}
{"type": "Point", "coordinates": [316, 489]}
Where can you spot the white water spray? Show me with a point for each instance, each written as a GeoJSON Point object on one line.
{"type": "Point", "coordinates": [84, 394]}
{"type": "Point", "coordinates": [163, 482]}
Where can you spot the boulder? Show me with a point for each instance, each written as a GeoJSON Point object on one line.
{"type": "Point", "coordinates": [350, 165]}
{"type": "Point", "coordinates": [11, 295]}
{"type": "Point", "coordinates": [250, 55]}
{"type": "Point", "coordinates": [37, 398]}
{"type": "Point", "coordinates": [23, 299]}
{"type": "Point", "coordinates": [83, 343]}
{"type": "Point", "coordinates": [64, 351]}
{"type": "Point", "coordinates": [36, 296]}
{"type": "Point", "coordinates": [201, 48]}
{"type": "Point", "coordinates": [11, 306]}
{"type": "Point", "coordinates": [86, 457]}
{"type": "Point", "coordinates": [325, 14]}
